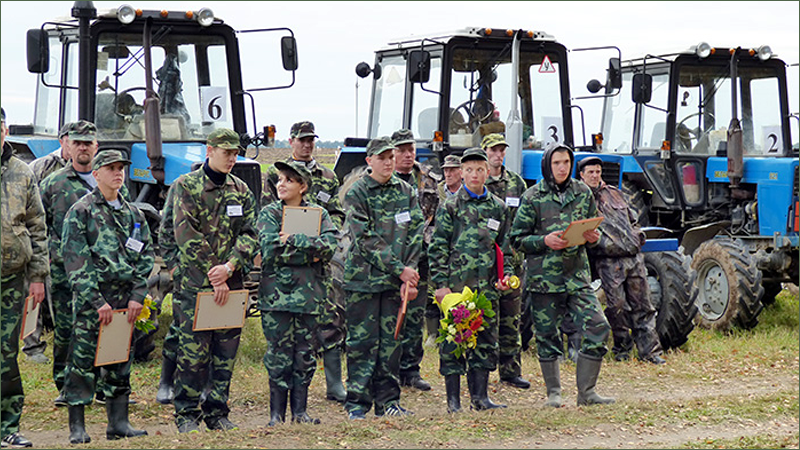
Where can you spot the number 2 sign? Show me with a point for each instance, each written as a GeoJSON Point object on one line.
{"type": "Point", "coordinates": [213, 100]}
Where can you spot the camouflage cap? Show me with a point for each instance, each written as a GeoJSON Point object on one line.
{"type": "Point", "coordinates": [404, 136]}
{"type": "Point", "coordinates": [69, 126]}
{"type": "Point", "coordinates": [224, 138]}
{"type": "Point", "coordinates": [83, 130]}
{"type": "Point", "coordinates": [296, 168]}
{"type": "Point", "coordinates": [474, 154]}
{"type": "Point", "coordinates": [589, 161]}
{"type": "Point", "coordinates": [379, 145]}
{"type": "Point", "coordinates": [451, 161]}
{"type": "Point", "coordinates": [107, 157]}
{"type": "Point", "coordinates": [493, 139]}
{"type": "Point", "coordinates": [302, 129]}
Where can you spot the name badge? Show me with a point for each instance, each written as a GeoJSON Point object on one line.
{"type": "Point", "coordinates": [323, 196]}
{"type": "Point", "coordinates": [513, 202]}
{"type": "Point", "coordinates": [134, 245]}
{"type": "Point", "coordinates": [403, 217]}
{"type": "Point", "coordinates": [234, 210]}
{"type": "Point", "coordinates": [493, 224]}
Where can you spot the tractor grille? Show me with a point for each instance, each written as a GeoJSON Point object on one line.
{"type": "Point", "coordinates": [611, 173]}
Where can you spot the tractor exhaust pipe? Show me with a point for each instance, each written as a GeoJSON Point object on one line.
{"type": "Point", "coordinates": [152, 110]}
{"type": "Point", "coordinates": [735, 145]}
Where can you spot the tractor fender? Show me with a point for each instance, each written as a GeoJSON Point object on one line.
{"type": "Point", "coordinates": [697, 235]}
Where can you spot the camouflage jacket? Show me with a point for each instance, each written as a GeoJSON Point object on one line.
{"type": "Point", "coordinates": [166, 232]}
{"type": "Point", "coordinates": [619, 235]}
{"type": "Point", "coordinates": [212, 225]}
{"type": "Point", "coordinates": [509, 187]}
{"type": "Point", "coordinates": [444, 194]}
{"type": "Point", "coordinates": [385, 224]}
{"type": "Point", "coordinates": [294, 275]}
{"type": "Point", "coordinates": [60, 190]}
{"type": "Point", "coordinates": [103, 264]}
{"type": "Point", "coordinates": [541, 212]}
{"type": "Point", "coordinates": [424, 183]}
{"type": "Point", "coordinates": [24, 233]}
{"type": "Point", "coordinates": [47, 164]}
{"type": "Point", "coordinates": [324, 190]}
{"type": "Point", "coordinates": [463, 251]}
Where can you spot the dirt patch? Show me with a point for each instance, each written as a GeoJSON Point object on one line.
{"type": "Point", "coordinates": [270, 155]}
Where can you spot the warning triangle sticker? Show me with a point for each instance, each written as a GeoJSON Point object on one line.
{"type": "Point", "coordinates": [547, 66]}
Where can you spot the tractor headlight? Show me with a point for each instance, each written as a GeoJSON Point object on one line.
{"type": "Point", "coordinates": [764, 52]}
{"type": "Point", "coordinates": [205, 17]}
{"type": "Point", "coordinates": [126, 14]}
{"type": "Point", "coordinates": [703, 50]}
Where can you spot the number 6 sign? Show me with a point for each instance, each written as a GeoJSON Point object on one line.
{"type": "Point", "coordinates": [214, 100]}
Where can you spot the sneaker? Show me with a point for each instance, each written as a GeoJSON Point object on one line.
{"type": "Point", "coordinates": [221, 424]}
{"type": "Point", "coordinates": [190, 426]}
{"type": "Point", "coordinates": [517, 382]}
{"type": "Point", "coordinates": [657, 360]}
{"type": "Point", "coordinates": [417, 383]}
{"type": "Point", "coordinates": [356, 415]}
{"type": "Point", "coordinates": [60, 401]}
{"type": "Point", "coordinates": [38, 358]}
{"type": "Point", "coordinates": [16, 440]}
{"type": "Point", "coordinates": [396, 410]}
{"type": "Point", "coordinates": [622, 357]}
{"type": "Point", "coordinates": [100, 398]}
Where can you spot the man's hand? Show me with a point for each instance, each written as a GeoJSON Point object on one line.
{"type": "Point", "coordinates": [37, 291]}
{"type": "Point", "coordinates": [502, 285]}
{"type": "Point", "coordinates": [218, 275]}
{"type": "Point", "coordinates": [440, 293]}
{"type": "Point", "coordinates": [591, 236]}
{"type": "Point", "coordinates": [221, 294]}
{"type": "Point", "coordinates": [134, 308]}
{"type": "Point", "coordinates": [283, 237]}
{"type": "Point", "coordinates": [106, 314]}
{"type": "Point", "coordinates": [412, 291]}
{"type": "Point", "coordinates": [553, 241]}
{"type": "Point", "coordinates": [410, 276]}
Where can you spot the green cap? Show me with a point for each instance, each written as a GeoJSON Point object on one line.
{"type": "Point", "coordinates": [83, 130]}
{"type": "Point", "coordinates": [297, 168]}
{"type": "Point", "coordinates": [69, 126]}
{"type": "Point", "coordinates": [493, 139]}
{"type": "Point", "coordinates": [451, 161]}
{"type": "Point", "coordinates": [224, 138]}
{"type": "Point", "coordinates": [302, 129]}
{"type": "Point", "coordinates": [107, 157]}
{"type": "Point", "coordinates": [404, 136]}
{"type": "Point", "coordinates": [474, 154]}
{"type": "Point", "coordinates": [379, 145]}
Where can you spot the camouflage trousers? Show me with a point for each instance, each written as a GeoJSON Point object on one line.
{"type": "Point", "coordinates": [198, 353]}
{"type": "Point", "coordinates": [291, 345]}
{"type": "Point", "coordinates": [411, 334]}
{"type": "Point", "coordinates": [330, 327]}
{"type": "Point", "coordinates": [373, 356]}
{"type": "Point", "coordinates": [61, 296]}
{"type": "Point", "coordinates": [548, 311]}
{"type": "Point", "coordinates": [484, 355]}
{"type": "Point", "coordinates": [508, 319]}
{"type": "Point", "coordinates": [13, 397]}
{"type": "Point", "coordinates": [80, 376]}
{"type": "Point", "coordinates": [170, 348]}
{"type": "Point", "coordinates": [628, 307]}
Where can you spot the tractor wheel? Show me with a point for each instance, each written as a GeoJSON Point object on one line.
{"type": "Point", "coordinates": [636, 201]}
{"type": "Point", "coordinates": [771, 290]}
{"type": "Point", "coordinates": [729, 285]}
{"type": "Point", "coordinates": [671, 281]}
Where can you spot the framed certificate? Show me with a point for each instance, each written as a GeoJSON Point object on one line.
{"type": "Point", "coordinates": [114, 340]}
{"type": "Point", "coordinates": [301, 220]}
{"type": "Point", "coordinates": [30, 317]}
{"type": "Point", "coordinates": [574, 232]}
{"type": "Point", "coordinates": [210, 316]}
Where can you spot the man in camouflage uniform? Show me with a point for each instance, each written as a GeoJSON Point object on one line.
{"type": "Point", "coordinates": [470, 227]}
{"type": "Point", "coordinates": [324, 191]}
{"type": "Point", "coordinates": [169, 254]}
{"type": "Point", "coordinates": [619, 263]}
{"type": "Point", "coordinates": [24, 243]}
{"type": "Point", "coordinates": [214, 228]}
{"type": "Point", "coordinates": [385, 223]}
{"type": "Point", "coordinates": [451, 183]}
{"type": "Point", "coordinates": [508, 187]}
{"type": "Point", "coordinates": [424, 183]}
{"type": "Point", "coordinates": [558, 276]}
{"type": "Point", "coordinates": [108, 255]}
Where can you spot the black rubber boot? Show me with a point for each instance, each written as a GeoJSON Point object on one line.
{"type": "Point", "coordinates": [165, 392]}
{"type": "Point", "coordinates": [118, 425]}
{"type": "Point", "coordinates": [479, 390]}
{"type": "Point", "coordinates": [277, 404]}
{"type": "Point", "coordinates": [77, 428]}
{"type": "Point", "coordinates": [552, 380]}
{"type": "Point", "coordinates": [332, 362]}
{"type": "Point", "coordinates": [299, 400]}
{"type": "Point", "coordinates": [586, 373]}
{"type": "Point", "coordinates": [452, 384]}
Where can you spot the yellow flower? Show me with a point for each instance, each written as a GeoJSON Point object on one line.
{"type": "Point", "coordinates": [451, 300]}
{"type": "Point", "coordinates": [145, 313]}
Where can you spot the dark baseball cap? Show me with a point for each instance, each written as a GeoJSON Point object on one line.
{"type": "Point", "coordinates": [83, 130]}
{"type": "Point", "coordinates": [451, 161]}
{"type": "Point", "coordinates": [107, 157]}
{"type": "Point", "coordinates": [224, 138]}
{"type": "Point", "coordinates": [404, 136]}
{"type": "Point", "coordinates": [302, 129]}
{"type": "Point", "coordinates": [379, 145]}
{"type": "Point", "coordinates": [474, 154]}
{"type": "Point", "coordinates": [296, 168]}
{"type": "Point", "coordinates": [589, 161]}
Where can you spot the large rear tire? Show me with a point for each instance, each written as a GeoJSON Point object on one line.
{"type": "Point", "coordinates": [729, 285]}
{"type": "Point", "coordinates": [671, 281]}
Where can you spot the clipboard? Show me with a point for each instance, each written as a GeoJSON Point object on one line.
{"type": "Point", "coordinates": [210, 316]}
{"type": "Point", "coordinates": [301, 220]}
{"type": "Point", "coordinates": [574, 232]}
{"type": "Point", "coordinates": [30, 318]}
{"type": "Point", "coordinates": [114, 340]}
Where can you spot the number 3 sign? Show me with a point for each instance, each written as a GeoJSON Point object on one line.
{"type": "Point", "coordinates": [214, 101]}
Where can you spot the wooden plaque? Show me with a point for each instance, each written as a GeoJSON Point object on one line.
{"type": "Point", "coordinates": [114, 340]}
{"type": "Point", "coordinates": [301, 220]}
{"type": "Point", "coordinates": [210, 316]}
{"type": "Point", "coordinates": [30, 317]}
{"type": "Point", "coordinates": [574, 233]}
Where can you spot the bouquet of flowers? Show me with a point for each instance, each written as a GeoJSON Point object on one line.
{"type": "Point", "coordinates": [463, 319]}
{"type": "Point", "coordinates": [143, 322]}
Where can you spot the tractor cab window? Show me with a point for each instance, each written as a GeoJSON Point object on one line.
{"type": "Point", "coordinates": [388, 96]}
{"type": "Point", "coordinates": [425, 102]}
{"type": "Point", "coordinates": [190, 79]}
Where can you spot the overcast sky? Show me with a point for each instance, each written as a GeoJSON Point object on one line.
{"type": "Point", "coordinates": [333, 37]}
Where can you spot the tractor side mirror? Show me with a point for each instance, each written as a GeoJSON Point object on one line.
{"type": "Point", "coordinates": [38, 51]}
{"type": "Point", "coordinates": [363, 70]}
{"type": "Point", "coordinates": [614, 74]}
{"type": "Point", "coordinates": [117, 51]}
{"type": "Point", "coordinates": [419, 66]}
{"type": "Point", "coordinates": [642, 88]}
{"type": "Point", "coordinates": [289, 52]}
{"type": "Point", "coordinates": [594, 86]}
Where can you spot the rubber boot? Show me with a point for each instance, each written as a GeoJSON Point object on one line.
{"type": "Point", "coordinates": [586, 373]}
{"type": "Point", "coordinates": [332, 362]}
{"type": "Point", "coordinates": [299, 398]}
{"type": "Point", "coordinates": [118, 425]}
{"type": "Point", "coordinates": [165, 392]}
{"type": "Point", "coordinates": [452, 385]}
{"type": "Point", "coordinates": [277, 404]}
{"type": "Point", "coordinates": [77, 428]}
{"type": "Point", "coordinates": [432, 327]}
{"type": "Point", "coordinates": [479, 390]}
{"type": "Point", "coordinates": [552, 380]}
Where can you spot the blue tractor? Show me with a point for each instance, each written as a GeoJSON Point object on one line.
{"type": "Point", "coordinates": [708, 151]}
